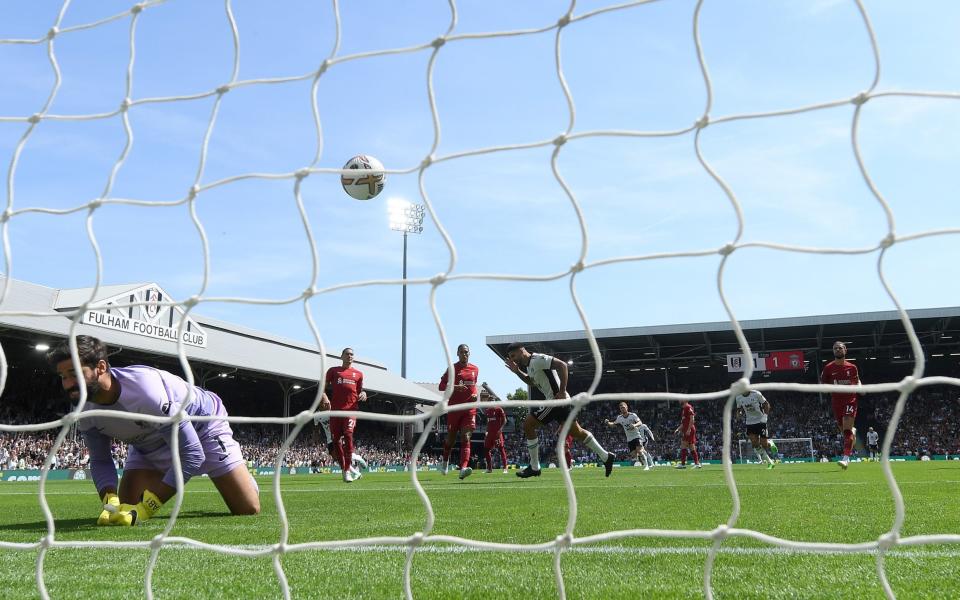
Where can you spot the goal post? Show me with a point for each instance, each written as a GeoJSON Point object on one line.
{"type": "Point", "coordinates": [788, 450]}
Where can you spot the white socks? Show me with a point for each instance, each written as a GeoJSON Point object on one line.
{"type": "Point", "coordinates": [591, 442]}
{"type": "Point", "coordinates": [648, 459]}
{"type": "Point", "coordinates": [533, 447]}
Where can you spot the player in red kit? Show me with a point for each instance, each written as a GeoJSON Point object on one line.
{"type": "Point", "coordinates": [496, 419]}
{"type": "Point", "coordinates": [344, 389]}
{"type": "Point", "coordinates": [688, 435]}
{"type": "Point", "coordinates": [840, 371]}
{"type": "Point", "coordinates": [465, 377]}
{"type": "Point", "coordinates": [567, 454]}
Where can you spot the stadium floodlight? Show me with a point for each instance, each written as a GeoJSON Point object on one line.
{"type": "Point", "coordinates": [297, 386]}
{"type": "Point", "coordinates": [42, 347]}
{"type": "Point", "coordinates": [407, 217]}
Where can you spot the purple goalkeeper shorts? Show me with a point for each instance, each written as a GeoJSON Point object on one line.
{"type": "Point", "coordinates": [222, 452]}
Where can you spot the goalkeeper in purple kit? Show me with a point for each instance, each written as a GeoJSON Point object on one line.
{"type": "Point", "coordinates": [149, 476]}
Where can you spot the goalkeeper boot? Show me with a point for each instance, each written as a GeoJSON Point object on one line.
{"type": "Point", "coordinates": [770, 466]}
{"type": "Point", "coordinates": [465, 472]}
{"type": "Point", "coordinates": [114, 501]}
{"type": "Point", "coordinates": [608, 464]}
{"type": "Point", "coordinates": [528, 472]}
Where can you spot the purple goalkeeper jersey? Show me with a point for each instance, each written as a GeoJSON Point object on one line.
{"type": "Point", "coordinates": [148, 391]}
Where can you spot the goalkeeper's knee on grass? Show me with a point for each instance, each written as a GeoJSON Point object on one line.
{"type": "Point", "coordinates": [128, 515]}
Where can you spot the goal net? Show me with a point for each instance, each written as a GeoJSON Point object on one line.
{"type": "Point", "coordinates": [183, 197]}
{"type": "Point", "coordinates": [788, 450]}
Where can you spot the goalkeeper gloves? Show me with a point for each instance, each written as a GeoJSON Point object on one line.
{"type": "Point", "coordinates": [128, 515]}
{"type": "Point", "coordinates": [109, 500]}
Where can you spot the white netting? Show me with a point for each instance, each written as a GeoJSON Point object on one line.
{"type": "Point", "coordinates": [567, 18]}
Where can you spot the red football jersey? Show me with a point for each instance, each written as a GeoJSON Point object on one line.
{"type": "Point", "coordinates": [495, 418]}
{"type": "Point", "coordinates": [462, 375]}
{"type": "Point", "coordinates": [686, 416]}
{"type": "Point", "coordinates": [845, 374]}
{"type": "Point", "coordinates": [346, 385]}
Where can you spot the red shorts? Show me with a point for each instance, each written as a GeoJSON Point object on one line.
{"type": "Point", "coordinates": [462, 419]}
{"type": "Point", "coordinates": [845, 407]}
{"type": "Point", "coordinates": [691, 438]}
{"type": "Point", "coordinates": [340, 426]}
{"type": "Point", "coordinates": [493, 438]}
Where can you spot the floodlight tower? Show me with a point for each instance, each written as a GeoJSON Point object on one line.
{"type": "Point", "coordinates": [406, 217]}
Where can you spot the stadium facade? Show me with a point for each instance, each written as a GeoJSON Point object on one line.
{"type": "Point", "coordinates": [141, 324]}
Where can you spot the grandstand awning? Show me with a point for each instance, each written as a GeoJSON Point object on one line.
{"type": "Point", "coordinates": [878, 334]}
{"type": "Point", "coordinates": [151, 328]}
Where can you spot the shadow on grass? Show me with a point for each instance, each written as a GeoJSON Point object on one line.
{"type": "Point", "coordinates": [90, 524]}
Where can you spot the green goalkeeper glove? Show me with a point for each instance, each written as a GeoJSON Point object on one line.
{"type": "Point", "coordinates": [113, 501]}
{"type": "Point", "coordinates": [128, 515]}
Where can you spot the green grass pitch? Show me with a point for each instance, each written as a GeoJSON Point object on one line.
{"type": "Point", "coordinates": [810, 502]}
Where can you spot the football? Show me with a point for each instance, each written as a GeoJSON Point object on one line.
{"type": "Point", "coordinates": [369, 180]}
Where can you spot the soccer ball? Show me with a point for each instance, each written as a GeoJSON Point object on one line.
{"type": "Point", "coordinates": [365, 185]}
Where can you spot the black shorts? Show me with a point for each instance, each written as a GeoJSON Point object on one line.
{"type": "Point", "coordinates": [873, 447]}
{"type": "Point", "coordinates": [546, 414]}
{"type": "Point", "coordinates": [632, 444]}
{"type": "Point", "coordinates": [759, 429]}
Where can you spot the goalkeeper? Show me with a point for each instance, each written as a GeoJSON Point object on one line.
{"type": "Point", "coordinates": [149, 477]}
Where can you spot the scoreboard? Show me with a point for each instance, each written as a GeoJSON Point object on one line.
{"type": "Point", "coordinates": [785, 360]}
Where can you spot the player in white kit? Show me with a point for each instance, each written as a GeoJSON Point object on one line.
{"type": "Point", "coordinates": [637, 434]}
{"type": "Point", "coordinates": [755, 409]}
{"type": "Point", "coordinates": [549, 375]}
{"type": "Point", "coordinates": [873, 443]}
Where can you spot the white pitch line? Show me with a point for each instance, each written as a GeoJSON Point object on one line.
{"type": "Point", "coordinates": [917, 553]}
{"type": "Point", "coordinates": [526, 486]}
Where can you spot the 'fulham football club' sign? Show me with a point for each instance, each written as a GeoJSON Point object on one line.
{"type": "Point", "coordinates": [150, 319]}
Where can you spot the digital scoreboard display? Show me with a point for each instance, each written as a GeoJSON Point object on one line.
{"type": "Point", "coordinates": [784, 360]}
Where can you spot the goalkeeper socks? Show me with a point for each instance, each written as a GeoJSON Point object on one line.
{"type": "Point", "coordinates": [533, 447]}
{"type": "Point", "coordinates": [592, 443]}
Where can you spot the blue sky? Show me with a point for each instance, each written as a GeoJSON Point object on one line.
{"type": "Point", "coordinates": [634, 69]}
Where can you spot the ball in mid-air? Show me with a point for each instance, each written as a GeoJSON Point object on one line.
{"type": "Point", "coordinates": [369, 180]}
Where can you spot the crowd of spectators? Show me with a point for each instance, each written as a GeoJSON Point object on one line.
{"type": "Point", "coordinates": [930, 425]}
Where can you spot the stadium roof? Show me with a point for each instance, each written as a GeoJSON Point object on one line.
{"type": "Point", "coordinates": [42, 313]}
{"type": "Point", "coordinates": [872, 333]}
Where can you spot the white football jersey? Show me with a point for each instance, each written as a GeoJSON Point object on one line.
{"type": "Point", "coordinates": [628, 422]}
{"type": "Point", "coordinates": [324, 422]}
{"type": "Point", "coordinates": [543, 376]}
{"type": "Point", "coordinates": [750, 403]}
{"type": "Point", "coordinates": [873, 437]}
